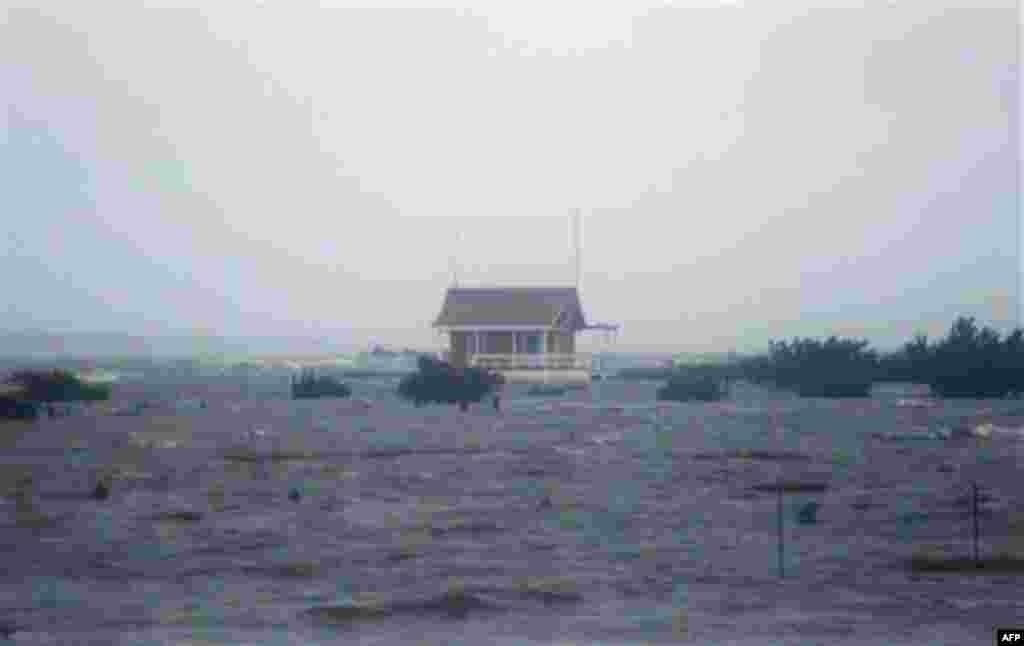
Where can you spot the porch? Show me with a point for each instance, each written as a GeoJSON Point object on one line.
{"type": "Point", "coordinates": [524, 361]}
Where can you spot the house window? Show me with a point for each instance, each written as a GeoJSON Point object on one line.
{"type": "Point", "coordinates": [533, 344]}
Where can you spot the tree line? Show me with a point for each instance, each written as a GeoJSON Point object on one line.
{"type": "Point", "coordinates": [970, 362]}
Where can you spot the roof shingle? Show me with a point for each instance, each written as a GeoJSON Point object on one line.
{"type": "Point", "coordinates": [517, 306]}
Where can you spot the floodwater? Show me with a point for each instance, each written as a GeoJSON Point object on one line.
{"type": "Point", "coordinates": [594, 518]}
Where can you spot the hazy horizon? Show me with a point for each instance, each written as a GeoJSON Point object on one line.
{"type": "Point", "coordinates": [746, 171]}
{"type": "Point", "coordinates": [24, 344]}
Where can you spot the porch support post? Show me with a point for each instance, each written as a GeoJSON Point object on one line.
{"type": "Point", "coordinates": [544, 353]}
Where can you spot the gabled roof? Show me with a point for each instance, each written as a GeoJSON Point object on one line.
{"type": "Point", "coordinates": [513, 306]}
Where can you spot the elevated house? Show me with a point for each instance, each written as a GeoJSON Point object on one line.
{"type": "Point", "coordinates": [528, 334]}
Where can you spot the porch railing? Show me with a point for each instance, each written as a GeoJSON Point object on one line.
{"type": "Point", "coordinates": [531, 361]}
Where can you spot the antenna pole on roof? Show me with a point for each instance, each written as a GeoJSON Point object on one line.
{"type": "Point", "coordinates": [576, 243]}
{"type": "Point", "coordinates": [453, 264]}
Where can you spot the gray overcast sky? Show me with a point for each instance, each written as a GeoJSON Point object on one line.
{"type": "Point", "coordinates": [747, 169]}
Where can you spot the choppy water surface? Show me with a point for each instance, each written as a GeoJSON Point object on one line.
{"type": "Point", "coordinates": [599, 517]}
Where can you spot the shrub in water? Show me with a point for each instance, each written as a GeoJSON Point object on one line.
{"type": "Point", "coordinates": [56, 386]}
{"type": "Point", "coordinates": [835, 389]}
{"type": "Point", "coordinates": [309, 386]}
{"type": "Point", "coordinates": [974, 363]}
{"type": "Point", "coordinates": [812, 368]}
{"type": "Point", "coordinates": [693, 385]}
{"type": "Point", "coordinates": [969, 362]}
{"type": "Point", "coordinates": [16, 408]}
{"type": "Point", "coordinates": [439, 382]}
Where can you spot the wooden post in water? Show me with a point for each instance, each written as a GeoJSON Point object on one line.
{"type": "Point", "coordinates": [974, 511]}
{"type": "Point", "coordinates": [781, 570]}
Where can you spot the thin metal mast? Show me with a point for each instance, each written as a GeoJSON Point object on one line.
{"type": "Point", "coordinates": [576, 243]}
{"type": "Point", "coordinates": [453, 264]}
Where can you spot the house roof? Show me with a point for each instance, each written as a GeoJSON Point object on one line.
{"type": "Point", "coordinates": [518, 306]}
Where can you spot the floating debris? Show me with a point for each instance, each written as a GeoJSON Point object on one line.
{"type": "Point", "coordinates": [179, 515]}
{"type": "Point", "coordinates": [900, 436]}
{"type": "Point", "coordinates": [247, 455]}
{"type": "Point", "coordinates": [298, 570]}
{"type": "Point", "coordinates": [747, 454]}
{"type": "Point", "coordinates": [915, 403]}
{"type": "Point", "coordinates": [129, 410]}
{"type": "Point", "coordinates": [469, 527]}
{"type": "Point", "coordinates": [402, 554]}
{"type": "Point", "coordinates": [606, 438]}
{"type": "Point", "coordinates": [347, 613]}
{"type": "Point", "coordinates": [966, 501]}
{"type": "Point", "coordinates": [254, 434]}
{"type": "Point", "coordinates": [862, 504]}
{"type": "Point", "coordinates": [983, 430]}
{"type": "Point", "coordinates": [550, 591]}
{"type": "Point", "coordinates": [790, 486]}
{"type": "Point", "coordinates": [546, 390]}
{"type": "Point", "coordinates": [140, 441]}
{"type": "Point", "coordinates": [994, 565]}
{"type": "Point", "coordinates": [455, 604]}
{"type": "Point", "coordinates": [988, 430]}
{"type": "Point", "coordinates": [808, 513]}
{"type": "Point", "coordinates": [912, 517]}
